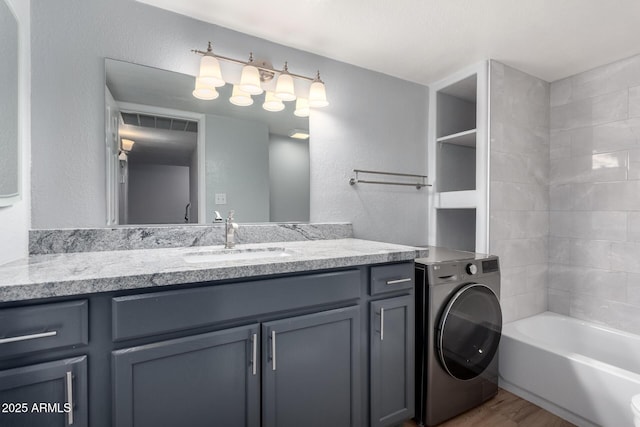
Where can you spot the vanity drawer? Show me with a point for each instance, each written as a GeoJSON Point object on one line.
{"type": "Point", "coordinates": [43, 327]}
{"type": "Point", "coordinates": [391, 278]}
{"type": "Point", "coordinates": [163, 312]}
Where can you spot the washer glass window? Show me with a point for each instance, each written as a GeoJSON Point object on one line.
{"type": "Point", "coordinates": [469, 331]}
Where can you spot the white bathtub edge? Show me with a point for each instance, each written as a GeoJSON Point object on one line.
{"type": "Point", "coordinates": [545, 404]}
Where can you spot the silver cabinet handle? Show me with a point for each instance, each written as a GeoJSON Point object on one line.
{"type": "Point", "coordinates": [382, 324]}
{"type": "Point", "coordinates": [395, 282]}
{"type": "Point", "coordinates": [273, 349]}
{"type": "Point", "coordinates": [69, 377]}
{"type": "Point", "coordinates": [254, 353]}
{"type": "Point", "coordinates": [28, 337]}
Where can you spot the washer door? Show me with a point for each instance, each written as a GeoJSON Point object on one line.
{"type": "Point", "coordinates": [469, 331]}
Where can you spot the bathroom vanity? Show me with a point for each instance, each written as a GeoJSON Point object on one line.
{"type": "Point", "coordinates": [273, 334]}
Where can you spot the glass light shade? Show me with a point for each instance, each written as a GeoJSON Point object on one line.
{"type": "Point", "coordinates": [204, 90]}
{"type": "Point", "coordinates": [284, 87]}
{"type": "Point", "coordinates": [272, 103]}
{"type": "Point", "coordinates": [240, 97]}
{"type": "Point", "coordinates": [127, 144]}
{"type": "Point", "coordinates": [317, 94]}
{"type": "Point", "coordinates": [302, 107]}
{"type": "Point", "coordinates": [250, 80]}
{"type": "Point", "coordinates": [210, 71]}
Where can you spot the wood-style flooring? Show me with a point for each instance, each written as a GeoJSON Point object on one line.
{"type": "Point", "coordinates": [504, 410]}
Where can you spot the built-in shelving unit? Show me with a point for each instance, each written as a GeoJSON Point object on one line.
{"type": "Point", "coordinates": [458, 159]}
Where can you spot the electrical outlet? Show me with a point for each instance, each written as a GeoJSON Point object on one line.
{"type": "Point", "coordinates": [221, 199]}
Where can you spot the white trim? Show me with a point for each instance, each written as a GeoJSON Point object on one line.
{"type": "Point", "coordinates": [478, 198]}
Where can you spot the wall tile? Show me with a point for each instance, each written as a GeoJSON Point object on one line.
{"type": "Point", "coordinates": [625, 257]}
{"type": "Point", "coordinates": [560, 144]}
{"type": "Point", "coordinates": [633, 226]}
{"type": "Point", "coordinates": [589, 225]}
{"type": "Point", "coordinates": [594, 168]}
{"type": "Point", "coordinates": [519, 252]}
{"type": "Point", "coordinates": [518, 224]}
{"type": "Point", "coordinates": [591, 111]}
{"type": "Point", "coordinates": [559, 250]}
{"type": "Point", "coordinates": [560, 197]}
{"type": "Point", "coordinates": [609, 137]}
{"type": "Point", "coordinates": [519, 196]}
{"type": "Point", "coordinates": [634, 102]}
{"type": "Point", "coordinates": [559, 301]}
{"type": "Point", "coordinates": [633, 289]}
{"type": "Point", "coordinates": [606, 79]}
{"type": "Point", "coordinates": [561, 92]}
{"type": "Point", "coordinates": [515, 167]}
{"type": "Point", "coordinates": [634, 165]}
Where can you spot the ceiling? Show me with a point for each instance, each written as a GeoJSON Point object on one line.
{"type": "Point", "coordinates": [425, 40]}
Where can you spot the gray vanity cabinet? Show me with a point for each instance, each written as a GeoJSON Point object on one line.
{"type": "Point", "coordinates": [312, 370]}
{"type": "Point", "coordinates": [202, 380]}
{"type": "Point", "coordinates": [391, 360]}
{"type": "Point", "coordinates": [52, 394]}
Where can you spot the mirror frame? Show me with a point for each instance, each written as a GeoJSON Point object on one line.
{"type": "Point", "coordinates": [11, 199]}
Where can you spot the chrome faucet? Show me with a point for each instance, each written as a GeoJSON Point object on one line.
{"type": "Point", "coordinates": [217, 218]}
{"type": "Point", "coordinates": [230, 228]}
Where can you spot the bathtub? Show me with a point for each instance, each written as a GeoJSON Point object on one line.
{"type": "Point", "coordinates": [578, 370]}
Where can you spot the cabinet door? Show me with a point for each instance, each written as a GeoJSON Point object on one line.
{"type": "Point", "coordinates": [311, 371]}
{"type": "Point", "coordinates": [209, 379]}
{"type": "Point", "coordinates": [49, 394]}
{"type": "Point", "coordinates": [392, 361]}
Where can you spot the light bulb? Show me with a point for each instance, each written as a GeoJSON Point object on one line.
{"type": "Point", "coordinates": [302, 107]}
{"type": "Point", "coordinates": [317, 93]}
{"type": "Point", "coordinates": [210, 71]}
{"type": "Point", "coordinates": [271, 103]}
{"type": "Point", "coordinates": [240, 97]}
{"type": "Point", "coordinates": [250, 80]}
{"type": "Point", "coordinates": [284, 85]}
{"type": "Point", "coordinates": [204, 90]}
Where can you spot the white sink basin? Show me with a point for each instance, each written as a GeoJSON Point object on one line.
{"type": "Point", "coordinates": [224, 255]}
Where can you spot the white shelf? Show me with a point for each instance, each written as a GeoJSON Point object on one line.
{"type": "Point", "coordinates": [466, 138]}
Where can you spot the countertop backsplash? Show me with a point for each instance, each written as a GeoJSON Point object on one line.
{"type": "Point", "coordinates": [56, 241]}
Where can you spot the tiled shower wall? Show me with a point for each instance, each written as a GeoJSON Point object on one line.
{"type": "Point", "coordinates": [594, 241]}
{"type": "Point", "coordinates": [519, 197]}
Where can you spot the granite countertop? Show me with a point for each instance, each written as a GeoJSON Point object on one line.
{"type": "Point", "coordinates": [43, 276]}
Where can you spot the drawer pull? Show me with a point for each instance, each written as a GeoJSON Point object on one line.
{"type": "Point", "coordinates": [28, 337]}
{"type": "Point", "coordinates": [69, 378]}
{"type": "Point", "coordinates": [395, 282]}
{"type": "Point", "coordinates": [254, 353]}
{"type": "Point", "coordinates": [273, 349]}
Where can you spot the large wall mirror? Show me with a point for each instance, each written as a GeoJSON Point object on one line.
{"type": "Point", "coordinates": [175, 159]}
{"type": "Point", "coordinates": [9, 135]}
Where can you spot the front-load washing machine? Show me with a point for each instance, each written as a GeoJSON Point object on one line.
{"type": "Point", "coordinates": [458, 327]}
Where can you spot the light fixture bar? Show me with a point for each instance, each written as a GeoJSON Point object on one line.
{"type": "Point", "coordinates": [240, 62]}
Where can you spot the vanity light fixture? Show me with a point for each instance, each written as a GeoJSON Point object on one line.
{"type": "Point", "coordinates": [317, 93]}
{"type": "Point", "coordinates": [254, 73]}
{"type": "Point", "coordinates": [240, 97]}
{"type": "Point", "coordinates": [272, 102]}
{"type": "Point", "coordinates": [302, 107]}
{"type": "Point", "coordinates": [284, 85]}
{"type": "Point", "coordinates": [299, 134]}
{"type": "Point", "coordinates": [250, 78]}
{"type": "Point", "coordinates": [127, 144]}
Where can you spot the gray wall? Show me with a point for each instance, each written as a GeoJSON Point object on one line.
{"type": "Point", "coordinates": [288, 179]}
{"type": "Point", "coordinates": [595, 195]}
{"type": "Point", "coordinates": [374, 121]}
{"type": "Point", "coordinates": [519, 190]}
{"type": "Point", "coordinates": [14, 220]}
{"type": "Point", "coordinates": [237, 164]}
{"type": "Point", "coordinates": [158, 194]}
